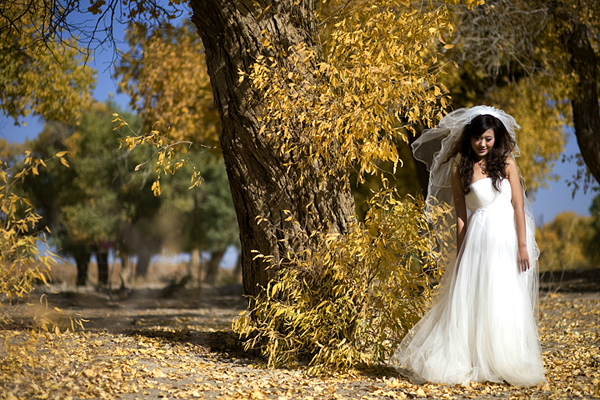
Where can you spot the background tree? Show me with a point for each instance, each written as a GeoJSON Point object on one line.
{"type": "Point", "coordinates": [97, 203]}
{"type": "Point", "coordinates": [204, 215]}
{"type": "Point", "coordinates": [564, 242]}
{"type": "Point", "coordinates": [172, 97]}
{"type": "Point", "coordinates": [176, 98]}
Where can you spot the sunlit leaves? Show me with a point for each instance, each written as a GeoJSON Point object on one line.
{"type": "Point", "coordinates": [20, 261]}
{"type": "Point", "coordinates": [44, 78]}
{"type": "Point", "coordinates": [377, 81]}
{"type": "Point", "coordinates": [350, 300]}
{"type": "Point", "coordinates": [347, 299]}
{"type": "Point", "coordinates": [165, 75]}
{"type": "Point", "coordinates": [168, 153]}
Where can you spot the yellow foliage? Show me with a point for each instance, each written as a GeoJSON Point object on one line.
{"type": "Point", "coordinates": [21, 264]}
{"type": "Point", "coordinates": [378, 79]}
{"type": "Point", "coordinates": [167, 153]}
{"type": "Point", "coordinates": [165, 75]}
{"type": "Point", "coordinates": [563, 242]}
{"type": "Point", "coordinates": [350, 299]}
{"type": "Point", "coordinates": [47, 77]}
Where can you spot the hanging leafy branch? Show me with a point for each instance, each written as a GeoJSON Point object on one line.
{"type": "Point", "coordinates": [167, 153]}
{"type": "Point", "coordinates": [351, 300]}
{"type": "Point", "coordinates": [378, 80]}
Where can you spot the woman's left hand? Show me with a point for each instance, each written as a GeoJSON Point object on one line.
{"type": "Point", "coordinates": [523, 258]}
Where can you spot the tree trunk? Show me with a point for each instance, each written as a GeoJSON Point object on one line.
{"type": "Point", "coordinates": [125, 267]}
{"type": "Point", "coordinates": [584, 99]}
{"type": "Point", "coordinates": [143, 262]}
{"type": "Point", "coordinates": [82, 259]}
{"type": "Point", "coordinates": [212, 266]}
{"type": "Point", "coordinates": [260, 183]}
{"type": "Point", "coordinates": [102, 262]}
{"type": "Point", "coordinates": [194, 268]}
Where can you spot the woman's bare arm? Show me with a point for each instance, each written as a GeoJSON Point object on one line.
{"type": "Point", "coordinates": [517, 203]}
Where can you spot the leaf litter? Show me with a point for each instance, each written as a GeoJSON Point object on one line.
{"type": "Point", "coordinates": [191, 353]}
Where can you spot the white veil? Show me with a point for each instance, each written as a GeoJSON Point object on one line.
{"type": "Point", "coordinates": [433, 148]}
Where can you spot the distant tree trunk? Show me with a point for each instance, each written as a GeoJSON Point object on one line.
{"type": "Point", "coordinates": [212, 266]}
{"type": "Point", "coordinates": [125, 267]}
{"type": "Point", "coordinates": [584, 100]}
{"type": "Point", "coordinates": [102, 261]}
{"type": "Point", "coordinates": [260, 183]}
{"type": "Point", "coordinates": [193, 268]}
{"type": "Point", "coordinates": [143, 262]}
{"type": "Point", "coordinates": [82, 259]}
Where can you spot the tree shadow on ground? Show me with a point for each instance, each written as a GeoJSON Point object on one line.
{"type": "Point", "coordinates": [197, 316]}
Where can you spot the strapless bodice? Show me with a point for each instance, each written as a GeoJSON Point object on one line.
{"type": "Point", "coordinates": [483, 194]}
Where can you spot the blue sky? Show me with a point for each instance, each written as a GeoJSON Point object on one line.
{"type": "Point", "coordinates": [547, 203]}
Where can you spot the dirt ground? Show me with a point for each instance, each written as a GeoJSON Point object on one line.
{"type": "Point", "coordinates": [158, 343]}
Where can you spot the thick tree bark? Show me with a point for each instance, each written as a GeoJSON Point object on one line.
{"type": "Point", "coordinates": [261, 185]}
{"type": "Point", "coordinates": [584, 100]}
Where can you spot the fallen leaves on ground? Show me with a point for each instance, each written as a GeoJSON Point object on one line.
{"type": "Point", "coordinates": [166, 356]}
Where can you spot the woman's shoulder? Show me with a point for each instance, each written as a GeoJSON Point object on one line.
{"type": "Point", "coordinates": [511, 166]}
{"type": "Point", "coordinates": [510, 163]}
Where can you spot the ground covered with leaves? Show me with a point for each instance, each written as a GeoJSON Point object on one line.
{"type": "Point", "coordinates": [160, 344]}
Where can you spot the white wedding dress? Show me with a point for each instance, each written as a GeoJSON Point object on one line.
{"type": "Point", "coordinates": [482, 326]}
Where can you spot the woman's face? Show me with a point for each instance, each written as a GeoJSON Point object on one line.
{"type": "Point", "coordinates": [483, 144]}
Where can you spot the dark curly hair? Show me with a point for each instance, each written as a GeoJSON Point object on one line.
{"type": "Point", "coordinates": [495, 159]}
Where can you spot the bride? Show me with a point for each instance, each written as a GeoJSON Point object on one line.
{"type": "Point", "coordinates": [482, 326]}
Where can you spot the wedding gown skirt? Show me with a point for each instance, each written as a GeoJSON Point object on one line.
{"type": "Point", "coordinates": [482, 326]}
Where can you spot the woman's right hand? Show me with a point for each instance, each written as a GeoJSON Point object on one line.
{"type": "Point", "coordinates": [523, 258]}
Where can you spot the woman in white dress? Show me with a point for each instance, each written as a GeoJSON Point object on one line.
{"type": "Point", "coordinates": [482, 326]}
